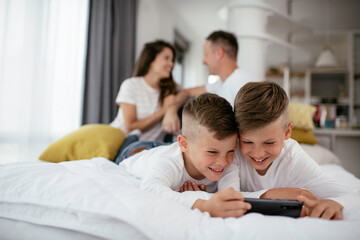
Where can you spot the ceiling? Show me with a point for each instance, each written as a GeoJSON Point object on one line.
{"type": "Point", "coordinates": [344, 15]}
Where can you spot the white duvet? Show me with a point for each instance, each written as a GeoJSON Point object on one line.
{"type": "Point", "coordinates": [99, 198]}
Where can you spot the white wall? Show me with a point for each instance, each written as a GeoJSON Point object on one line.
{"type": "Point", "coordinates": [153, 22]}
{"type": "Point", "coordinates": [157, 20]}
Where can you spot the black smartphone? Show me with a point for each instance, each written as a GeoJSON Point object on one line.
{"type": "Point", "coordinates": [289, 208]}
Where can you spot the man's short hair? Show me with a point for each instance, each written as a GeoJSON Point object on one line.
{"type": "Point", "coordinates": [258, 104]}
{"type": "Point", "coordinates": [212, 112]}
{"type": "Point", "coordinates": [227, 41]}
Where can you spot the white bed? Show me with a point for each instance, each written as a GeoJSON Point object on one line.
{"type": "Point", "coordinates": [96, 199]}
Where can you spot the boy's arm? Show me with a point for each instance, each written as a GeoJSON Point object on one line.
{"type": "Point", "coordinates": [288, 193]}
{"type": "Point", "coordinates": [302, 172]}
{"type": "Point", "coordinates": [164, 175]}
{"type": "Point", "coordinates": [225, 203]}
{"type": "Point", "coordinates": [171, 121]}
{"type": "Point", "coordinates": [306, 173]}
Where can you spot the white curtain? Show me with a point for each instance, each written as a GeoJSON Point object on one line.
{"type": "Point", "coordinates": [42, 59]}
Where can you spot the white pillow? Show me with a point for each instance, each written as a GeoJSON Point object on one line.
{"type": "Point", "coordinates": [320, 154]}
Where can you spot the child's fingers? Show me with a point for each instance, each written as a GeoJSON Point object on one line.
{"type": "Point", "coordinates": [230, 194]}
{"type": "Point", "coordinates": [236, 205]}
{"type": "Point", "coordinates": [307, 202]}
{"type": "Point", "coordinates": [317, 211]}
{"type": "Point", "coordinates": [192, 186]}
{"type": "Point", "coordinates": [185, 186]}
{"type": "Point", "coordinates": [338, 216]}
{"type": "Point", "coordinates": [303, 212]}
{"type": "Point", "coordinates": [328, 213]}
{"type": "Point", "coordinates": [195, 187]}
{"type": "Point", "coordinates": [189, 186]}
{"type": "Point", "coordinates": [309, 194]}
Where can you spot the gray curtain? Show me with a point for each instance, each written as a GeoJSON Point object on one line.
{"type": "Point", "coordinates": [110, 57]}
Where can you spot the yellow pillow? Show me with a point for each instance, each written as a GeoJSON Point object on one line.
{"type": "Point", "coordinates": [303, 136]}
{"type": "Point", "coordinates": [301, 115]}
{"type": "Point", "coordinates": [92, 140]}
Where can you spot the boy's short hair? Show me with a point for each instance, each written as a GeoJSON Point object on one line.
{"type": "Point", "coordinates": [212, 112]}
{"type": "Point", "coordinates": [227, 41]}
{"type": "Point", "coordinates": [258, 104]}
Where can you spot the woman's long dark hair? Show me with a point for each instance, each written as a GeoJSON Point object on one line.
{"type": "Point", "coordinates": [147, 56]}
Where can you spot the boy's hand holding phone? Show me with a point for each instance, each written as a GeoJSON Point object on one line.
{"type": "Point", "coordinates": [321, 208]}
{"type": "Point", "coordinates": [225, 203]}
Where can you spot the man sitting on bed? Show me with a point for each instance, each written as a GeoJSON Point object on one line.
{"type": "Point", "coordinates": [203, 155]}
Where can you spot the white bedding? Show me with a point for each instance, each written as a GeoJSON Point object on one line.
{"type": "Point", "coordinates": [98, 198]}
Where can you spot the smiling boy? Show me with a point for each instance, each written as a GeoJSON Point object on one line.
{"type": "Point", "coordinates": [269, 159]}
{"type": "Point", "coordinates": [203, 155]}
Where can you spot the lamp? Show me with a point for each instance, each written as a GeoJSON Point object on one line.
{"type": "Point", "coordinates": [326, 57]}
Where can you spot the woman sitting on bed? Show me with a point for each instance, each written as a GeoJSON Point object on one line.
{"type": "Point", "coordinates": [144, 98]}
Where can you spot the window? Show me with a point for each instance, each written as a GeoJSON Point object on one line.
{"type": "Point", "coordinates": [42, 56]}
{"type": "Point", "coordinates": [181, 47]}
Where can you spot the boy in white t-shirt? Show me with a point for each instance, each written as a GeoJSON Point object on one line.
{"type": "Point", "coordinates": [203, 155]}
{"type": "Point", "coordinates": [269, 159]}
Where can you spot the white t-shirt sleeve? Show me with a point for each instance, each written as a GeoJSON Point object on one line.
{"type": "Point", "coordinates": [164, 177]}
{"type": "Point", "coordinates": [308, 174]}
{"type": "Point", "coordinates": [127, 92]}
{"type": "Point", "coordinates": [230, 178]}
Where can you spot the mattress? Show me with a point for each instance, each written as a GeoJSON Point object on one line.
{"type": "Point", "coordinates": [99, 199]}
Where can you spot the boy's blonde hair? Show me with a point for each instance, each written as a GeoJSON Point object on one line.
{"type": "Point", "coordinates": [259, 103]}
{"type": "Point", "coordinates": [212, 112]}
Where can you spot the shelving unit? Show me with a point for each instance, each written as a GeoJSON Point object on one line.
{"type": "Point", "coordinates": [342, 83]}
{"type": "Point", "coordinates": [356, 79]}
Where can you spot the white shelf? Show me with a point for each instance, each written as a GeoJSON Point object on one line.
{"type": "Point", "coordinates": [276, 16]}
{"type": "Point", "coordinates": [264, 6]}
{"type": "Point", "coordinates": [272, 39]}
